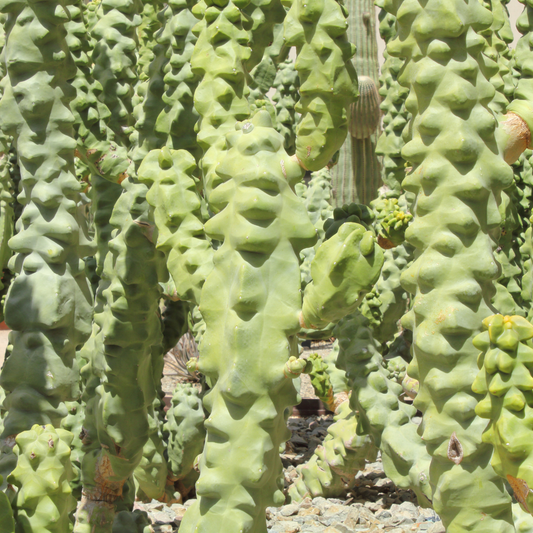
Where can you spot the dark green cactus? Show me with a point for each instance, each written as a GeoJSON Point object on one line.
{"type": "Point", "coordinates": [115, 62]}
{"type": "Point", "coordinates": [185, 426]}
{"type": "Point", "coordinates": [50, 302]}
{"type": "Point", "coordinates": [121, 354]}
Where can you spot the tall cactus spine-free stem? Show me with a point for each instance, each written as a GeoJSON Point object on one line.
{"type": "Point", "coordinates": [457, 176]}
{"type": "Point", "coordinates": [49, 307]}
{"type": "Point", "coordinates": [250, 303]}
{"type": "Point", "coordinates": [120, 352]}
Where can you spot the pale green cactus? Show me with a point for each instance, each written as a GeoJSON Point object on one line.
{"type": "Point", "coordinates": [178, 218]}
{"type": "Point", "coordinates": [506, 382]}
{"type": "Point", "coordinates": [328, 87]}
{"type": "Point", "coordinates": [331, 470]}
{"type": "Point", "coordinates": [246, 416]}
{"type": "Point", "coordinates": [44, 500]}
{"type": "Point", "coordinates": [344, 269]}
{"type": "Point", "coordinates": [457, 176]}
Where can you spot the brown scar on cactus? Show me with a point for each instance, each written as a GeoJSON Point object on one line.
{"type": "Point", "coordinates": [517, 137]}
{"type": "Point", "coordinates": [521, 490]}
{"type": "Point", "coordinates": [455, 450]}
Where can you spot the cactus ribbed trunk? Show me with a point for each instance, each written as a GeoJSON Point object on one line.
{"type": "Point", "coordinates": [357, 175]}
{"type": "Point", "coordinates": [457, 177]}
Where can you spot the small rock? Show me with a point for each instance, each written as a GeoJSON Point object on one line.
{"type": "Point", "coordinates": [373, 506]}
{"type": "Point", "coordinates": [289, 510]}
{"type": "Point", "coordinates": [287, 526]}
{"type": "Point", "coordinates": [341, 528]}
{"type": "Point", "coordinates": [309, 511]}
{"type": "Point", "coordinates": [161, 517]}
{"type": "Point", "coordinates": [428, 514]}
{"type": "Point", "coordinates": [331, 529]}
{"type": "Point", "coordinates": [188, 503]}
{"type": "Point", "coordinates": [383, 515]}
{"type": "Point", "coordinates": [437, 527]}
{"type": "Point", "coordinates": [321, 503]}
{"type": "Point", "coordinates": [306, 503]}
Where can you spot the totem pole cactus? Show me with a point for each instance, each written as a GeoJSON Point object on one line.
{"type": "Point", "coordinates": [506, 381]}
{"type": "Point", "coordinates": [457, 176]}
{"type": "Point", "coordinates": [50, 304]}
{"type": "Point", "coordinates": [240, 470]}
{"type": "Point", "coordinates": [44, 500]}
{"type": "Point", "coordinates": [327, 86]}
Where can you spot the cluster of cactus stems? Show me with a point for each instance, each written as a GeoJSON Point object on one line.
{"type": "Point", "coordinates": [161, 191]}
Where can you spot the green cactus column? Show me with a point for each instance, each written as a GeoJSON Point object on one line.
{"type": "Point", "coordinates": [328, 82]}
{"type": "Point", "coordinates": [115, 62]}
{"type": "Point", "coordinates": [126, 333]}
{"type": "Point", "coordinates": [49, 305]}
{"type": "Point", "coordinates": [44, 500]}
{"type": "Point", "coordinates": [506, 381]}
{"type": "Point", "coordinates": [7, 200]}
{"type": "Point", "coordinates": [221, 95]}
{"type": "Point", "coordinates": [457, 175]}
{"type": "Point", "coordinates": [250, 302]}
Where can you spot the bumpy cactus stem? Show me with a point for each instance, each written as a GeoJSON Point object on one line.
{"type": "Point", "coordinates": [330, 471]}
{"type": "Point", "coordinates": [344, 269]}
{"type": "Point", "coordinates": [178, 219]}
{"type": "Point", "coordinates": [115, 61]}
{"type": "Point", "coordinates": [506, 381]}
{"type": "Point", "coordinates": [50, 303]}
{"type": "Point", "coordinates": [457, 176]}
{"type": "Point", "coordinates": [125, 338]}
{"type": "Point", "coordinates": [221, 95]}
{"type": "Point", "coordinates": [328, 79]}
{"type": "Point", "coordinates": [185, 426]}
{"type": "Point", "coordinates": [44, 500]}
{"type": "Point", "coordinates": [252, 293]}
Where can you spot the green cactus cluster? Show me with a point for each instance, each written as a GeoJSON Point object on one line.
{"type": "Point", "coordinates": [159, 155]}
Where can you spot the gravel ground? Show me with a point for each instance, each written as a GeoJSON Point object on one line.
{"type": "Point", "coordinates": [374, 505]}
